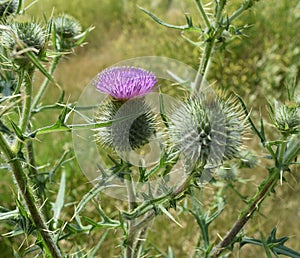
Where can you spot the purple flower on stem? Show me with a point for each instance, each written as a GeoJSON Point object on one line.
{"type": "Point", "coordinates": [125, 82]}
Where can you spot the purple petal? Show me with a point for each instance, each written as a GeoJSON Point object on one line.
{"type": "Point", "coordinates": [125, 82]}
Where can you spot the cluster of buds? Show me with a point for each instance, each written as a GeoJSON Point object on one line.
{"type": "Point", "coordinates": [23, 37]}
{"type": "Point", "coordinates": [205, 131]}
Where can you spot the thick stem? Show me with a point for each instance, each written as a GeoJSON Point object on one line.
{"type": "Point", "coordinates": [45, 84]}
{"type": "Point", "coordinates": [28, 98]}
{"type": "Point", "coordinates": [140, 241]}
{"type": "Point", "coordinates": [31, 158]}
{"type": "Point", "coordinates": [27, 193]}
{"type": "Point", "coordinates": [27, 75]}
{"type": "Point", "coordinates": [265, 187]}
{"type": "Point", "coordinates": [130, 245]}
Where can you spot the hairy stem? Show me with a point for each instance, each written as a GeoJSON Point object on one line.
{"type": "Point", "coordinates": [202, 13]}
{"type": "Point", "coordinates": [130, 245]}
{"type": "Point", "coordinates": [45, 84]}
{"type": "Point", "coordinates": [31, 158]}
{"type": "Point", "coordinates": [265, 188]}
{"type": "Point", "coordinates": [28, 196]}
{"type": "Point", "coordinates": [204, 66]}
{"type": "Point", "coordinates": [28, 98]}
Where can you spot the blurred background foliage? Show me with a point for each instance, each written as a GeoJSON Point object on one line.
{"type": "Point", "coordinates": [257, 66]}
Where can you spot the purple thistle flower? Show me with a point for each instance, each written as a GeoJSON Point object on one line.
{"type": "Point", "coordinates": [125, 82]}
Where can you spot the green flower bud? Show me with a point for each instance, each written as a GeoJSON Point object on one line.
{"type": "Point", "coordinates": [8, 7]}
{"type": "Point", "coordinates": [21, 37]}
{"type": "Point", "coordinates": [133, 124]}
{"type": "Point", "coordinates": [208, 132]}
{"type": "Point", "coordinates": [67, 28]}
{"type": "Point", "coordinates": [286, 118]}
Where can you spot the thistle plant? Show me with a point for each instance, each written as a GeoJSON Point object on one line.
{"type": "Point", "coordinates": [23, 47]}
{"type": "Point", "coordinates": [124, 118]}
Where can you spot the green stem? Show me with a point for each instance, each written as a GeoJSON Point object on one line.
{"type": "Point", "coordinates": [203, 13]}
{"type": "Point", "coordinates": [31, 158]}
{"type": "Point", "coordinates": [130, 245]}
{"type": "Point", "coordinates": [265, 188]}
{"type": "Point", "coordinates": [26, 110]}
{"type": "Point", "coordinates": [27, 193]}
{"type": "Point", "coordinates": [246, 5]}
{"type": "Point", "coordinates": [20, 81]}
{"type": "Point", "coordinates": [45, 84]}
{"type": "Point", "coordinates": [220, 7]}
{"type": "Point", "coordinates": [28, 98]}
{"type": "Point", "coordinates": [204, 65]}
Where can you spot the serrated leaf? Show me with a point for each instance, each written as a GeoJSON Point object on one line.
{"type": "Point", "coordinates": [276, 245]}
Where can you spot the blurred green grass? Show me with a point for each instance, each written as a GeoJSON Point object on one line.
{"type": "Point", "coordinates": [255, 67]}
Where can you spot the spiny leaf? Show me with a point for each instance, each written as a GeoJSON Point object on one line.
{"type": "Point", "coordinates": [17, 130]}
{"type": "Point", "coordinates": [188, 26]}
{"type": "Point", "coordinates": [169, 215]}
{"type": "Point", "coordinates": [276, 245]}
{"type": "Point", "coordinates": [42, 69]}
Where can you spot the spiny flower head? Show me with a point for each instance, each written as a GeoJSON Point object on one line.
{"type": "Point", "coordinates": [123, 83]}
{"type": "Point", "coordinates": [8, 7]}
{"type": "Point", "coordinates": [286, 117]}
{"type": "Point", "coordinates": [206, 133]}
{"type": "Point", "coordinates": [133, 124]}
{"type": "Point", "coordinates": [27, 36]}
{"type": "Point", "coordinates": [67, 26]}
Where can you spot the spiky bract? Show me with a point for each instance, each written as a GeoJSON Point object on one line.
{"type": "Point", "coordinates": [132, 126]}
{"type": "Point", "coordinates": [206, 132]}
